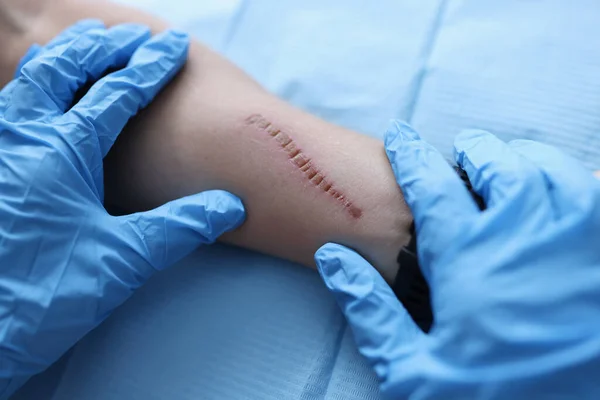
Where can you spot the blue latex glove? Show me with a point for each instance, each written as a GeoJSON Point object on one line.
{"type": "Point", "coordinates": [515, 289]}
{"type": "Point", "coordinates": [65, 263]}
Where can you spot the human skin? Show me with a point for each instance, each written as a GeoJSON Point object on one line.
{"type": "Point", "coordinates": [304, 182]}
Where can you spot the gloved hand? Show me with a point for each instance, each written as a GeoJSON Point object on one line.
{"type": "Point", "coordinates": [65, 263]}
{"type": "Point", "coordinates": [515, 289]}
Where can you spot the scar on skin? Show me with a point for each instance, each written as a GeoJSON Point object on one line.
{"type": "Point", "coordinates": [303, 163]}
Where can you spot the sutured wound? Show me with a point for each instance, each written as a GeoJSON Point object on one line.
{"type": "Point", "coordinates": [302, 162]}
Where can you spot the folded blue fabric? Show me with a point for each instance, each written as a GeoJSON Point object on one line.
{"type": "Point", "coordinates": [518, 69]}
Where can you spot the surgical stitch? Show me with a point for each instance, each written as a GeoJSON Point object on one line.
{"type": "Point", "coordinates": [303, 163]}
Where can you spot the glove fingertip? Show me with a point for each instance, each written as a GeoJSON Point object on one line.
{"type": "Point", "coordinates": [82, 26]}
{"type": "Point", "coordinates": [391, 133]}
{"type": "Point", "coordinates": [521, 143]}
{"type": "Point", "coordinates": [344, 271]}
{"type": "Point", "coordinates": [464, 142]}
{"type": "Point", "coordinates": [175, 44]}
{"type": "Point", "coordinates": [469, 138]}
{"type": "Point", "coordinates": [168, 50]}
{"type": "Point", "coordinates": [397, 136]}
{"type": "Point", "coordinates": [177, 35]}
{"type": "Point", "coordinates": [327, 258]}
{"type": "Point", "coordinates": [134, 29]}
{"type": "Point", "coordinates": [398, 129]}
{"type": "Point", "coordinates": [223, 211]}
{"type": "Point", "coordinates": [31, 53]}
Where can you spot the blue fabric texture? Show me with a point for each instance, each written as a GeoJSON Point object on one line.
{"type": "Point", "coordinates": [517, 69]}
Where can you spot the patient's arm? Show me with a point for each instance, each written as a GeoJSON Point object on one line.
{"type": "Point", "coordinates": [303, 181]}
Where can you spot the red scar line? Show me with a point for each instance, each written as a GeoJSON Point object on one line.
{"type": "Point", "coordinates": [303, 163]}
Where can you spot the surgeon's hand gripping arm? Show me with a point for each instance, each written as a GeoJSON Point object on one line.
{"type": "Point", "coordinates": [65, 263]}
{"type": "Point", "coordinates": [515, 288]}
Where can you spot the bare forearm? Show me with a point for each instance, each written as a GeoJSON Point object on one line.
{"type": "Point", "coordinates": [304, 182]}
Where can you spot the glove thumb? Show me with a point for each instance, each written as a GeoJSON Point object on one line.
{"type": "Point", "coordinates": [383, 330]}
{"type": "Point", "coordinates": [170, 232]}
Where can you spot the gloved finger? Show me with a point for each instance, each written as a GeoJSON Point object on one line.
{"type": "Point", "coordinates": [170, 232]}
{"type": "Point", "coordinates": [31, 53]}
{"type": "Point", "coordinates": [59, 73]}
{"type": "Point", "coordinates": [113, 100]}
{"type": "Point", "coordinates": [64, 37]}
{"type": "Point", "coordinates": [35, 50]}
{"type": "Point", "coordinates": [498, 173]}
{"type": "Point", "coordinates": [435, 194]}
{"type": "Point", "coordinates": [570, 184]}
{"type": "Point", "coordinates": [383, 330]}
